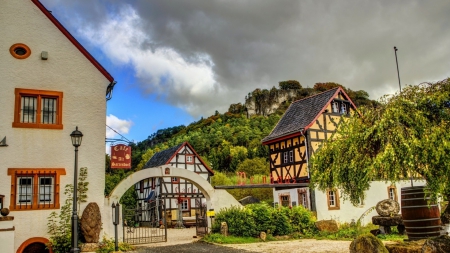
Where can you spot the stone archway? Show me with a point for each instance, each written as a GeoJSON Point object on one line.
{"type": "Point", "coordinates": [35, 244]}
{"type": "Point", "coordinates": [215, 198]}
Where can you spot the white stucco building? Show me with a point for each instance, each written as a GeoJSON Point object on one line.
{"type": "Point", "coordinates": [50, 84]}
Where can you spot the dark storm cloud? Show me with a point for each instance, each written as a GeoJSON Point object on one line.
{"type": "Point", "coordinates": [251, 44]}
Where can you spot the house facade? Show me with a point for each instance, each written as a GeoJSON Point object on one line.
{"type": "Point", "coordinates": [176, 193]}
{"type": "Point", "coordinates": [50, 85]}
{"type": "Point", "coordinates": [306, 124]}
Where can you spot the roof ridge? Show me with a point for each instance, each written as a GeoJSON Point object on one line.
{"type": "Point", "coordinates": [335, 88]}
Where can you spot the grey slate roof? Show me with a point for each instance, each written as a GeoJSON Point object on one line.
{"type": "Point", "coordinates": [162, 157]}
{"type": "Point", "coordinates": [300, 114]}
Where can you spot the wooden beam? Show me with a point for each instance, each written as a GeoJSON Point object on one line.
{"type": "Point", "coordinates": [290, 185]}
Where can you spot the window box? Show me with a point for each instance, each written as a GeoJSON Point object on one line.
{"type": "Point", "coordinates": [38, 109]}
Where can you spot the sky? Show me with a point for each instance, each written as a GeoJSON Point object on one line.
{"type": "Point", "coordinates": [177, 61]}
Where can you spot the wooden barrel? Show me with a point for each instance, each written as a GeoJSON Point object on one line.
{"type": "Point", "coordinates": [421, 219]}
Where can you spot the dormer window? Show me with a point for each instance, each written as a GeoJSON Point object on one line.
{"type": "Point", "coordinates": [335, 107]}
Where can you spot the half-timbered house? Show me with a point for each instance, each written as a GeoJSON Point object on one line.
{"type": "Point", "coordinates": [177, 194]}
{"type": "Point", "coordinates": [306, 124]}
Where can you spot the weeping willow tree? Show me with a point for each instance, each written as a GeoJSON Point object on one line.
{"type": "Point", "coordinates": [408, 134]}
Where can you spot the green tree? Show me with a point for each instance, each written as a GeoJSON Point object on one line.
{"type": "Point", "coordinates": [254, 166]}
{"type": "Point", "coordinates": [407, 134]}
{"type": "Point", "coordinates": [290, 84]}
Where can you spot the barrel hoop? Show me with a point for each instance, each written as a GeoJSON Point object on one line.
{"type": "Point", "coordinates": [418, 206]}
{"type": "Point", "coordinates": [423, 227]}
{"type": "Point", "coordinates": [421, 233]}
{"type": "Point", "coordinates": [422, 220]}
{"type": "Point", "coordinates": [413, 188]}
{"type": "Point", "coordinates": [416, 199]}
{"type": "Point", "coordinates": [412, 193]}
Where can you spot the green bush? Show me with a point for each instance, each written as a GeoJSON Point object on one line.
{"type": "Point", "coordinates": [302, 220]}
{"type": "Point", "coordinates": [108, 245]}
{"type": "Point", "coordinates": [240, 221]}
{"type": "Point", "coordinates": [255, 218]}
{"type": "Point", "coordinates": [262, 215]}
{"type": "Point", "coordinates": [281, 221]}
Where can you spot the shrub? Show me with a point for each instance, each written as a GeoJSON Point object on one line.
{"type": "Point", "coordinates": [108, 245]}
{"type": "Point", "coordinates": [302, 220]}
{"type": "Point", "coordinates": [262, 215]}
{"type": "Point", "coordinates": [239, 220]}
{"type": "Point", "coordinates": [281, 221]}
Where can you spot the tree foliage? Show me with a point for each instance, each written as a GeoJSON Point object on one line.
{"type": "Point", "coordinates": [406, 135]}
{"type": "Point", "coordinates": [290, 84]}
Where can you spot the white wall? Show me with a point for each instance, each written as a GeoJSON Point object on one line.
{"type": "Point", "coordinates": [67, 71]}
{"type": "Point", "coordinates": [347, 212]}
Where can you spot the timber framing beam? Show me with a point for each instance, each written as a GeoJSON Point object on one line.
{"type": "Point", "coordinates": [281, 186]}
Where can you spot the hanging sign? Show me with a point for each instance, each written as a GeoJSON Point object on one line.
{"type": "Point", "coordinates": [120, 157]}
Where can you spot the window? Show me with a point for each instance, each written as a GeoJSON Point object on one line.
{"type": "Point", "coordinates": [303, 197]}
{"type": "Point", "coordinates": [1, 201]}
{"type": "Point", "coordinates": [34, 188]}
{"type": "Point", "coordinates": [335, 107]}
{"type": "Point", "coordinates": [189, 159]}
{"type": "Point", "coordinates": [175, 180]}
{"type": "Point", "coordinates": [185, 204]}
{"type": "Point", "coordinates": [392, 192]}
{"type": "Point", "coordinates": [344, 109]}
{"type": "Point", "coordinates": [20, 51]}
{"type": "Point", "coordinates": [38, 109]}
{"type": "Point", "coordinates": [288, 156]}
{"type": "Point", "coordinates": [285, 199]}
{"type": "Point", "coordinates": [333, 200]}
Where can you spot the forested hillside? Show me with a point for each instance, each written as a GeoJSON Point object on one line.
{"type": "Point", "coordinates": [226, 140]}
{"type": "Point", "coordinates": [231, 141]}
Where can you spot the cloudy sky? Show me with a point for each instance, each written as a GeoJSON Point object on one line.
{"type": "Point", "coordinates": [176, 61]}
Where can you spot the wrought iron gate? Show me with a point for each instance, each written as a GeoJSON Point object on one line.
{"type": "Point", "coordinates": [201, 222]}
{"type": "Point", "coordinates": [145, 224]}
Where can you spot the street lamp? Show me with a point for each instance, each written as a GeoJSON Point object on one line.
{"type": "Point", "coordinates": [398, 72]}
{"type": "Point", "coordinates": [76, 136]}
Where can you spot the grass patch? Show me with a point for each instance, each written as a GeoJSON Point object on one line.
{"type": "Point", "coordinates": [219, 238]}
{"type": "Point", "coordinates": [346, 232]}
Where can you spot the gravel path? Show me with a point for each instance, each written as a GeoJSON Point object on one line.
{"type": "Point", "coordinates": [183, 241]}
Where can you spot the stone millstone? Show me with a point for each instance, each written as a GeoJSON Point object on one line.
{"type": "Point", "coordinates": [387, 207]}
{"type": "Point", "coordinates": [387, 221]}
{"type": "Point", "coordinates": [367, 243]}
{"type": "Point", "coordinates": [91, 223]}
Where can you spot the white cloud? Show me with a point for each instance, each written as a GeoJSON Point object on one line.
{"type": "Point", "coordinates": [122, 126]}
{"type": "Point", "coordinates": [160, 70]}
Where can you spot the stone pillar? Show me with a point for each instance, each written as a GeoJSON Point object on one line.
{"type": "Point", "coordinates": [7, 233]}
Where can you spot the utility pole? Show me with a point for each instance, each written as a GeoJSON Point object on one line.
{"type": "Point", "coordinates": [398, 73]}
